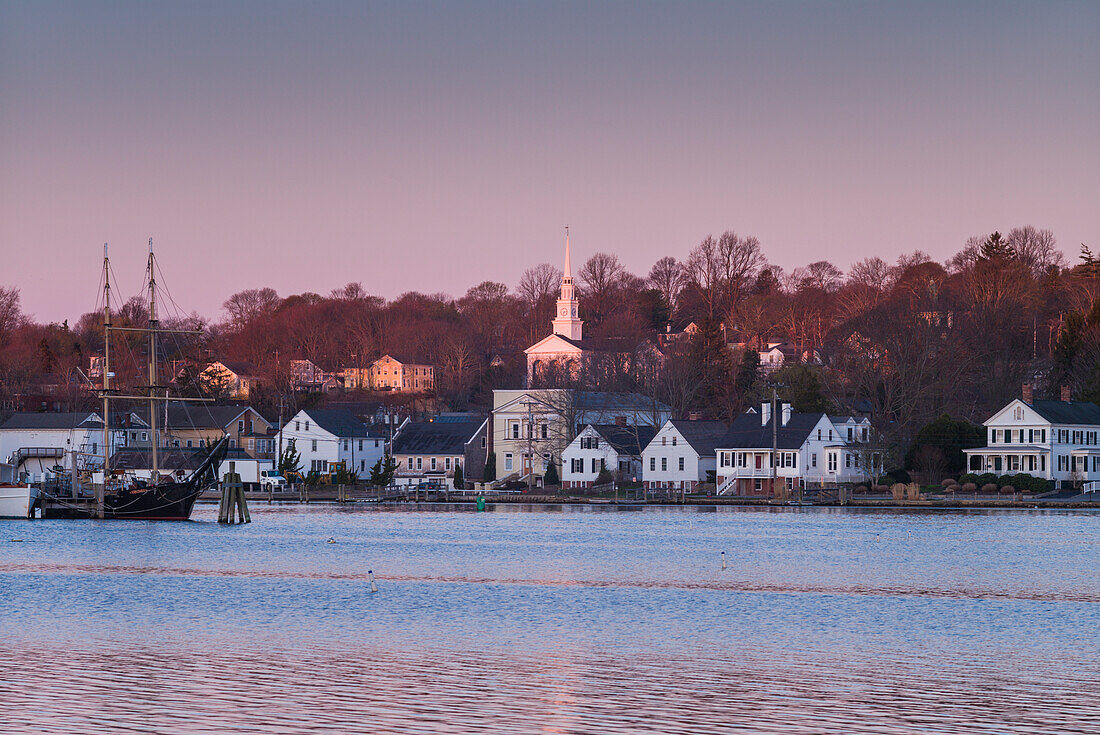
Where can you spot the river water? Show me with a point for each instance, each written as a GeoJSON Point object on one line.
{"type": "Point", "coordinates": [554, 620]}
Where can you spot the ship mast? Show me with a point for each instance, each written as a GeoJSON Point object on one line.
{"type": "Point", "coordinates": [106, 368]}
{"type": "Point", "coordinates": [153, 360]}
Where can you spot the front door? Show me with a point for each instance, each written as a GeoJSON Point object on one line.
{"type": "Point", "coordinates": [759, 461]}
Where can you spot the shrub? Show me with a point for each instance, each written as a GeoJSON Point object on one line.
{"type": "Point", "coordinates": [968, 477]}
{"type": "Point", "coordinates": [912, 491]}
{"type": "Point", "coordinates": [604, 478]}
{"type": "Point", "coordinates": [989, 488]}
{"type": "Point", "coordinates": [948, 482]}
{"type": "Point", "coordinates": [950, 489]}
{"type": "Point", "coordinates": [898, 491]}
{"type": "Point", "coordinates": [897, 476]}
{"type": "Point", "coordinates": [551, 476]}
{"type": "Point", "coordinates": [1008, 490]}
{"type": "Point", "coordinates": [880, 488]}
{"type": "Point", "coordinates": [970, 487]}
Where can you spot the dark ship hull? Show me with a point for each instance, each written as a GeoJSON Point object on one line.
{"type": "Point", "coordinates": [172, 501]}
{"type": "Point", "coordinates": [167, 501]}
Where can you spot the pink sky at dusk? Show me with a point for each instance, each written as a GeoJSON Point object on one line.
{"type": "Point", "coordinates": [427, 146]}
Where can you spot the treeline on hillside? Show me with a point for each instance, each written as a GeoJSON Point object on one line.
{"type": "Point", "coordinates": [905, 342]}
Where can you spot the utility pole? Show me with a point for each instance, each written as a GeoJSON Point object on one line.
{"type": "Point", "coordinates": [775, 439]}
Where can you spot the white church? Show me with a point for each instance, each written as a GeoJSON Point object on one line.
{"type": "Point", "coordinates": [565, 348]}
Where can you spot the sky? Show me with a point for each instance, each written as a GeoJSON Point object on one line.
{"type": "Point", "coordinates": [431, 146]}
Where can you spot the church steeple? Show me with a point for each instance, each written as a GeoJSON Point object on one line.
{"type": "Point", "coordinates": [566, 322]}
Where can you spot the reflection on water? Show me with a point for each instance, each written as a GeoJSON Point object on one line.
{"type": "Point", "coordinates": [567, 622]}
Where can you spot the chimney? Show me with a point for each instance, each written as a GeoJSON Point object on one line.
{"type": "Point", "coordinates": [695, 416]}
{"type": "Point", "coordinates": [1067, 396]}
{"type": "Point", "coordinates": [765, 413]}
{"type": "Point", "coordinates": [786, 413]}
{"type": "Point", "coordinates": [1028, 395]}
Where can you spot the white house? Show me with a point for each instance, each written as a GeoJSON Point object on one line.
{"type": "Point", "coordinates": [809, 449]}
{"type": "Point", "coordinates": [36, 442]}
{"type": "Point", "coordinates": [1054, 440]}
{"type": "Point", "coordinates": [325, 437]}
{"type": "Point", "coordinates": [681, 454]}
{"type": "Point", "coordinates": [614, 447]}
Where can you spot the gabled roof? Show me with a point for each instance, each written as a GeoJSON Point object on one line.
{"type": "Point", "coordinates": [1068, 412]}
{"type": "Point", "coordinates": [238, 367]}
{"type": "Point", "coordinates": [626, 439]}
{"type": "Point", "coordinates": [702, 436]}
{"type": "Point", "coordinates": [338, 421]}
{"type": "Point", "coordinates": [435, 437]}
{"type": "Point", "coordinates": [747, 432]}
{"type": "Point", "coordinates": [167, 459]}
{"type": "Point", "coordinates": [403, 359]}
{"type": "Point", "coordinates": [65, 421]}
{"type": "Point", "coordinates": [184, 416]}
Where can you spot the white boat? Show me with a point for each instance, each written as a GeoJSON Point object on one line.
{"type": "Point", "coordinates": [16, 501]}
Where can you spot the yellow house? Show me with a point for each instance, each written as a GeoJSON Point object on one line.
{"type": "Point", "coordinates": [390, 373]}
{"type": "Point", "coordinates": [229, 378]}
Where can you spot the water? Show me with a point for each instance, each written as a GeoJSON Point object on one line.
{"type": "Point", "coordinates": [554, 620]}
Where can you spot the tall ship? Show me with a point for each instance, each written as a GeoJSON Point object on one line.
{"type": "Point", "coordinates": [160, 496]}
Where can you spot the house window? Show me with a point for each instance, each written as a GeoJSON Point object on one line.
{"type": "Point", "coordinates": [849, 433]}
{"type": "Point", "coordinates": [819, 434]}
{"type": "Point", "coordinates": [345, 445]}
{"type": "Point", "coordinates": [813, 459]}
{"type": "Point", "coordinates": [543, 429]}
{"type": "Point", "coordinates": [419, 463]}
{"type": "Point", "coordinates": [144, 436]}
{"type": "Point", "coordinates": [847, 460]}
{"type": "Point", "coordinates": [832, 461]}
{"type": "Point", "coordinates": [240, 426]}
{"type": "Point", "coordinates": [681, 463]}
{"type": "Point", "coordinates": [307, 425]}
{"type": "Point", "coordinates": [863, 434]}
{"type": "Point", "coordinates": [674, 441]}
{"type": "Point", "coordinates": [447, 463]}
{"type": "Point", "coordinates": [515, 430]}
{"type": "Point", "coordinates": [360, 445]}
{"type": "Point", "coordinates": [314, 445]}
{"type": "Point", "coordinates": [297, 425]}
{"type": "Point", "coordinates": [664, 464]}
{"type": "Point", "coordinates": [507, 460]}
{"type": "Point", "coordinates": [433, 464]}
{"type": "Point", "coordinates": [652, 464]}
{"type": "Point", "coordinates": [188, 443]}
{"type": "Point", "coordinates": [594, 461]}
{"type": "Point", "coordinates": [664, 441]}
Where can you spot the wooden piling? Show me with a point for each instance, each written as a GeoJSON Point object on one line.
{"type": "Point", "coordinates": [233, 507]}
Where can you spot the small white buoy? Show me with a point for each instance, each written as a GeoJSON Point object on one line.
{"type": "Point", "coordinates": [723, 560]}
{"type": "Point", "coordinates": [373, 586]}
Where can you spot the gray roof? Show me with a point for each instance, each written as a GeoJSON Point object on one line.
{"type": "Point", "coordinates": [448, 437]}
{"type": "Point", "coordinates": [747, 432]}
{"type": "Point", "coordinates": [66, 421]}
{"type": "Point", "coordinates": [626, 439]}
{"type": "Point", "coordinates": [1068, 412]}
{"type": "Point", "coordinates": [587, 400]}
{"type": "Point", "coordinates": [338, 421]}
{"type": "Point", "coordinates": [176, 458]}
{"type": "Point", "coordinates": [703, 436]}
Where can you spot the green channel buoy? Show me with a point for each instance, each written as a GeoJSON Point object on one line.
{"type": "Point", "coordinates": [480, 503]}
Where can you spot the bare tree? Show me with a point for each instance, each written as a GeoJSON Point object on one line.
{"type": "Point", "coordinates": [600, 278]}
{"type": "Point", "coordinates": [1037, 249]}
{"type": "Point", "coordinates": [11, 316]}
{"type": "Point", "coordinates": [244, 306]}
{"type": "Point", "coordinates": [667, 276]}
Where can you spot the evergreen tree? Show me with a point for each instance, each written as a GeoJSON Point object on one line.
{"type": "Point", "coordinates": [459, 481]}
{"type": "Point", "coordinates": [801, 386]}
{"type": "Point", "coordinates": [713, 364]}
{"type": "Point", "coordinates": [996, 248]}
{"type": "Point", "coordinates": [950, 437]}
{"type": "Point", "coordinates": [551, 476]}
{"type": "Point", "coordinates": [290, 460]}
{"type": "Point", "coordinates": [490, 473]}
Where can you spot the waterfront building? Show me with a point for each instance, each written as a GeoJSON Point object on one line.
{"type": "Point", "coordinates": [433, 450]}
{"type": "Point", "coordinates": [614, 447]}
{"type": "Point", "coordinates": [328, 438]}
{"type": "Point", "coordinates": [1054, 440]}
{"type": "Point", "coordinates": [808, 449]}
{"type": "Point", "coordinates": [528, 427]}
{"type": "Point", "coordinates": [34, 443]}
{"type": "Point", "coordinates": [681, 456]}
{"type": "Point", "coordinates": [193, 426]}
